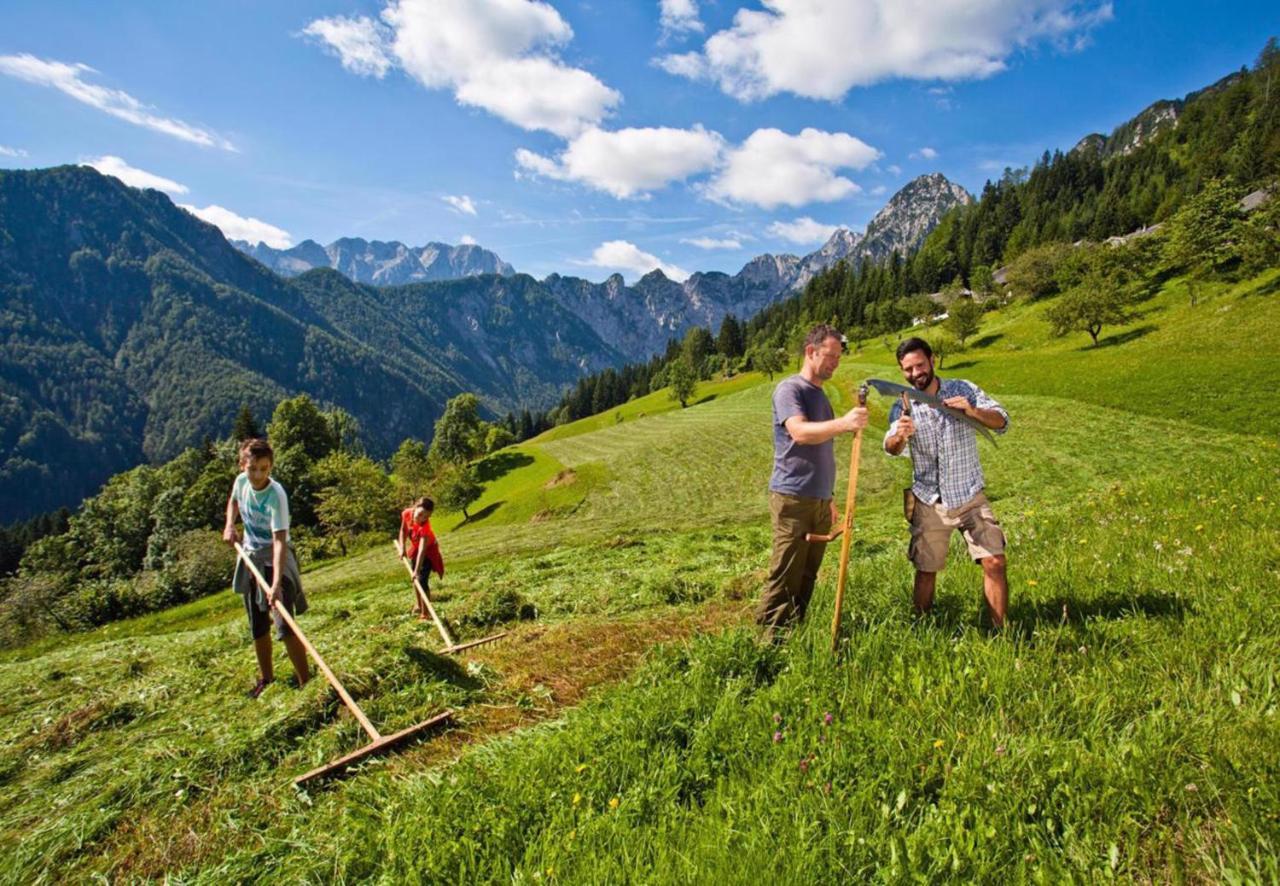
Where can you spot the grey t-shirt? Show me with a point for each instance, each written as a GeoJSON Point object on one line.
{"type": "Point", "coordinates": [807, 470]}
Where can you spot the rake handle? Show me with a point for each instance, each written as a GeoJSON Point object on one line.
{"type": "Point", "coordinates": [324, 668]}
{"type": "Point", "coordinates": [426, 602]}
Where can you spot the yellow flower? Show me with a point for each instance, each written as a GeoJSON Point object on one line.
{"type": "Point", "coordinates": [577, 798]}
{"type": "Point", "coordinates": [581, 768]}
{"type": "Point", "coordinates": [613, 804]}
{"type": "Point", "coordinates": [1200, 528]}
{"type": "Point", "coordinates": [939, 743]}
{"type": "Point", "coordinates": [1032, 582]}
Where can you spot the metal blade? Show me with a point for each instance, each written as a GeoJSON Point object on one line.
{"type": "Point", "coordinates": [890, 389]}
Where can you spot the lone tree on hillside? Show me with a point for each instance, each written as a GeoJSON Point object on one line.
{"type": "Point", "coordinates": [767, 360]}
{"type": "Point", "coordinates": [963, 319]}
{"type": "Point", "coordinates": [683, 380]}
{"type": "Point", "coordinates": [457, 488]}
{"type": "Point", "coordinates": [1202, 233]}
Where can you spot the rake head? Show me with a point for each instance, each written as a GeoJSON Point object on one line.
{"type": "Point", "coordinates": [377, 746]}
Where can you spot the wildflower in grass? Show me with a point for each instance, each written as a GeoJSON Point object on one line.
{"type": "Point", "coordinates": [613, 803]}
{"type": "Point", "coordinates": [1032, 582]}
{"type": "Point", "coordinates": [1001, 750]}
{"type": "Point", "coordinates": [1191, 788]}
{"type": "Point", "coordinates": [804, 765]}
{"type": "Point", "coordinates": [1200, 528]}
{"type": "Point", "coordinates": [938, 743]}
{"type": "Point", "coordinates": [827, 718]}
{"type": "Point", "coordinates": [577, 798]}
{"type": "Point", "coordinates": [777, 718]}
{"type": "Point", "coordinates": [581, 768]}
{"type": "Point", "coordinates": [777, 737]}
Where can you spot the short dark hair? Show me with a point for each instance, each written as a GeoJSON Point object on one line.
{"type": "Point", "coordinates": [820, 333]}
{"type": "Point", "coordinates": [425, 503]}
{"type": "Point", "coordinates": [256, 447]}
{"type": "Point", "coordinates": [914, 344]}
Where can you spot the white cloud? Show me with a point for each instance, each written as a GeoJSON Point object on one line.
{"type": "Point", "coordinates": [878, 191]}
{"type": "Point", "coordinates": [713, 243]}
{"type": "Point", "coordinates": [926, 153]}
{"type": "Point", "coordinates": [133, 177]}
{"type": "Point", "coordinates": [680, 16]}
{"type": "Point", "coordinates": [237, 227]}
{"type": "Point", "coordinates": [620, 255]}
{"type": "Point", "coordinates": [460, 202]}
{"type": "Point", "coordinates": [803, 230]}
{"type": "Point", "coordinates": [690, 65]}
{"type": "Point", "coordinates": [895, 169]}
{"type": "Point", "coordinates": [69, 80]}
{"type": "Point", "coordinates": [467, 240]}
{"type": "Point", "coordinates": [629, 162]}
{"type": "Point", "coordinates": [772, 168]}
{"type": "Point", "coordinates": [6, 151]}
{"type": "Point", "coordinates": [822, 49]}
{"type": "Point", "coordinates": [498, 55]}
{"type": "Point", "coordinates": [359, 42]}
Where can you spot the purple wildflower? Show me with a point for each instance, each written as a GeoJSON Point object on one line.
{"type": "Point", "coordinates": [827, 718]}
{"type": "Point", "coordinates": [777, 737]}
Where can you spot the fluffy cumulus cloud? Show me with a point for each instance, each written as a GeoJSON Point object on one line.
{"type": "Point", "coordinates": [629, 162]}
{"type": "Point", "coordinates": [6, 151]}
{"type": "Point", "coordinates": [70, 79]}
{"type": "Point", "coordinates": [824, 48]}
{"type": "Point", "coordinates": [626, 257]}
{"type": "Point", "coordinates": [772, 168]}
{"type": "Point", "coordinates": [237, 227]}
{"type": "Point", "coordinates": [804, 231]}
{"type": "Point", "coordinates": [680, 17]}
{"type": "Point", "coordinates": [133, 177]}
{"type": "Point", "coordinates": [714, 243]}
{"type": "Point", "coordinates": [360, 43]}
{"type": "Point", "coordinates": [467, 240]}
{"type": "Point", "coordinates": [925, 153]}
{"type": "Point", "coordinates": [497, 55]}
{"type": "Point", "coordinates": [460, 202]}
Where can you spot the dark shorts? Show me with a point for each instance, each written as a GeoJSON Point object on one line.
{"type": "Point", "coordinates": [260, 617]}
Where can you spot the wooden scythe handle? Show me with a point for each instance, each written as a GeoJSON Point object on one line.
{"type": "Point", "coordinates": [846, 527]}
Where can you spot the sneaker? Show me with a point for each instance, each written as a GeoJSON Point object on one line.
{"type": "Point", "coordinates": [259, 687]}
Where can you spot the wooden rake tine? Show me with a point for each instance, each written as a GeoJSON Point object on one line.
{"type": "Point", "coordinates": [377, 741]}
{"type": "Point", "coordinates": [450, 647]}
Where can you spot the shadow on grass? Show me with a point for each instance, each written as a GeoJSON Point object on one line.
{"type": "Point", "coordinates": [1121, 338]}
{"type": "Point", "coordinates": [963, 364]}
{"type": "Point", "coordinates": [435, 666]}
{"type": "Point", "coordinates": [706, 399]}
{"type": "Point", "coordinates": [987, 340]}
{"type": "Point", "coordinates": [1027, 617]}
{"type": "Point", "coordinates": [479, 515]}
{"type": "Point", "coordinates": [500, 464]}
{"type": "Point", "coordinates": [1269, 288]}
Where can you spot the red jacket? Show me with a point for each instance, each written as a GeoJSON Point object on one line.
{"type": "Point", "coordinates": [420, 533]}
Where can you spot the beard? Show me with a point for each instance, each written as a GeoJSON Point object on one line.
{"type": "Point", "coordinates": [922, 382]}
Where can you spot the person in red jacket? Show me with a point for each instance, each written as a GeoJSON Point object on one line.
{"type": "Point", "coordinates": [418, 543]}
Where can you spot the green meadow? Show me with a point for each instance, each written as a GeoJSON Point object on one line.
{"type": "Point", "coordinates": [631, 728]}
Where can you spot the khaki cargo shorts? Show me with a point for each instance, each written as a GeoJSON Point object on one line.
{"type": "Point", "coordinates": [932, 525]}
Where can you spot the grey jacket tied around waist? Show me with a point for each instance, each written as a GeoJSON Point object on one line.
{"type": "Point", "coordinates": [291, 582]}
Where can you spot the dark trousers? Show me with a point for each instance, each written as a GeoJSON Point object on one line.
{"type": "Point", "coordinates": [793, 568]}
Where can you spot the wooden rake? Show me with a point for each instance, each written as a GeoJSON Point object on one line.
{"type": "Point", "coordinates": [450, 647]}
{"type": "Point", "coordinates": [846, 525]}
{"type": "Point", "coordinates": [377, 741]}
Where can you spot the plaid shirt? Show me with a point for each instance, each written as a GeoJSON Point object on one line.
{"type": "Point", "coordinates": [944, 452]}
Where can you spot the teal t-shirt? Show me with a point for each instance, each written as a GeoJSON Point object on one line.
{"type": "Point", "coordinates": [263, 512]}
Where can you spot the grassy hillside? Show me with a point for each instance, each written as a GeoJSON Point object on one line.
{"type": "Point", "coordinates": [635, 731]}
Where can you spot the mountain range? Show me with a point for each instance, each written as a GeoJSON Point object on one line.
{"type": "Point", "coordinates": [131, 329]}
{"type": "Point", "coordinates": [378, 263]}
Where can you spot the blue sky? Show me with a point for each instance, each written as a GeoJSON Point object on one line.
{"type": "Point", "coordinates": [585, 137]}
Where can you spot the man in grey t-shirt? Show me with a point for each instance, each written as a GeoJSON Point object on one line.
{"type": "Point", "coordinates": [803, 481]}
